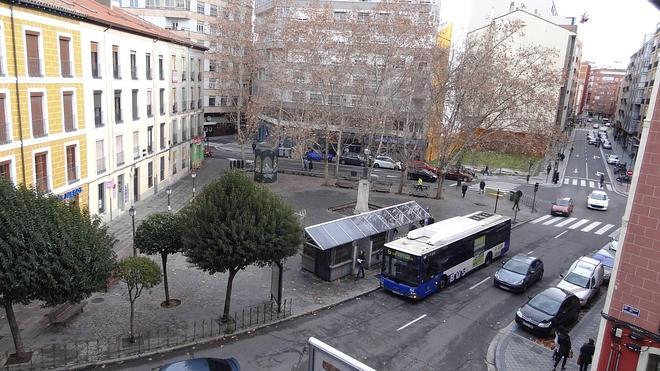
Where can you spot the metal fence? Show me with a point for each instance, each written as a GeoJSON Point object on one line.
{"type": "Point", "coordinates": [69, 355]}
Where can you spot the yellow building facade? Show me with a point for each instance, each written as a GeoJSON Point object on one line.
{"type": "Point", "coordinates": [42, 128]}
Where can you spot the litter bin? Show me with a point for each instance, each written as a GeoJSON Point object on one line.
{"type": "Point", "coordinates": [512, 195]}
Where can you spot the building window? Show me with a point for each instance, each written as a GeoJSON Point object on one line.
{"type": "Point", "coordinates": [119, 149]}
{"type": "Point", "coordinates": [96, 67]}
{"type": "Point", "coordinates": [150, 139]}
{"type": "Point", "coordinates": [41, 171]}
{"type": "Point", "coordinates": [136, 145]}
{"type": "Point", "coordinates": [101, 195]}
{"type": "Point", "coordinates": [162, 168]}
{"type": "Point", "coordinates": [149, 111]}
{"type": "Point", "coordinates": [37, 111]}
{"type": "Point", "coordinates": [213, 11]}
{"type": "Point", "coordinates": [147, 62]}
{"type": "Point", "coordinates": [116, 68]}
{"type": "Point", "coordinates": [175, 131]}
{"type": "Point", "coordinates": [161, 74]}
{"type": "Point", "coordinates": [65, 57]}
{"type": "Point", "coordinates": [118, 119]}
{"type": "Point", "coordinates": [211, 101]}
{"type": "Point", "coordinates": [133, 66]}
{"type": "Point", "coordinates": [200, 7]}
{"type": "Point", "coordinates": [71, 164]}
{"type": "Point", "coordinates": [161, 101]}
{"type": "Point", "coordinates": [150, 174]}
{"type": "Point", "coordinates": [5, 170]}
{"type": "Point", "coordinates": [162, 135]}
{"type": "Point", "coordinates": [33, 57]}
{"type": "Point", "coordinates": [98, 117]}
{"type": "Point", "coordinates": [69, 116]}
{"type": "Point", "coordinates": [173, 98]}
{"type": "Point", "coordinates": [134, 94]}
{"type": "Point", "coordinates": [5, 127]}
{"type": "Point", "coordinates": [100, 157]}
{"type": "Point", "coordinates": [200, 27]}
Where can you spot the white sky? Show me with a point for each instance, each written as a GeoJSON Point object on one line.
{"type": "Point", "coordinates": [615, 29]}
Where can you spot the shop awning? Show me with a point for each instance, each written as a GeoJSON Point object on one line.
{"type": "Point", "coordinates": [351, 228]}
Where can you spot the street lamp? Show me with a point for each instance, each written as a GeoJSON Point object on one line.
{"type": "Point", "coordinates": [169, 192]}
{"type": "Point", "coordinates": [194, 175]}
{"type": "Point", "coordinates": [131, 212]}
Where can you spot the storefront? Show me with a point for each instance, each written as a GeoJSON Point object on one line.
{"type": "Point", "coordinates": [72, 197]}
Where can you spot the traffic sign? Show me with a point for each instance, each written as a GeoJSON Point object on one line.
{"type": "Point", "coordinates": [629, 172]}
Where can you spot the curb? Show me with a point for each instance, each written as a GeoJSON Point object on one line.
{"type": "Point", "coordinates": [117, 361]}
{"type": "Point", "coordinates": [495, 345]}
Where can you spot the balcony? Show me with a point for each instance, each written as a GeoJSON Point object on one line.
{"type": "Point", "coordinates": [100, 165]}
{"type": "Point", "coordinates": [120, 158]}
{"type": "Point", "coordinates": [116, 71]}
{"type": "Point", "coordinates": [34, 67]}
{"type": "Point", "coordinates": [65, 68]}
{"type": "Point", "coordinates": [136, 152]}
{"type": "Point", "coordinates": [149, 113]}
{"type": "Point", "coordinates": [183, 76]}
{"type": "Point", "coordinates": [184, 106]}
{"type": "Point", "coordinates": [174, 110]}
{"type": "Point", "coordinates": [134, 73]}
{"type": "Point", "coordinates": [70, 125]}
{"type": "Point", "coordinates": [96, 71]}
{"type": "Point", "coordinates": [38, 128]}
{"type": "Point", "coordinates": [42, 183]}
{"type": "Point", "coordinates": [4, 133]}
{"type": "Point", "coordinates": [72, 172]}
{"type": "Point", "coordinates": [98, 117]}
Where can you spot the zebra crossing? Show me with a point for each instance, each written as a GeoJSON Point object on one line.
{"type": "Point", "coordinates": [586, 183]}
{"type": "Point", "coordinates": [583, 225]}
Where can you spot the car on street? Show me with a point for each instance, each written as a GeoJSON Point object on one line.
{"type": "Point", "coordinates": [612, 159]}
{"type": "Point", "coordinates": [563, 206]}
{"type": "Point", "coordinates": [607, 124]}
{"type": "Point", "coordinates": [456, 174]}
{"type": "Point", "coordinates": [425, 175]}
{"type": "Point", "coordinates": [352, 158]}
{"type": "Point", "coordinates": [591, 139]}
{"type": "Point", "coordinates": [598, 200]}
{"type": "Point", "coordinates": [595, 126]}
{"type": "Point", "coordinates": [548, 310]}
{"type": "Point", "coordinates": [386, 162]}
{"type": "Point", "coordinates": [606, 257]}
{"type": "Point", "coordinates": [607, 144]}
{"type": "Point", "coordinates": [203, 364]}
{"type": "Point", "coordinates": [518, 273]}
{"type": "Point", "coordinates": [423, 165]}
{"type": "Point", "coordinates": [316, 155]}
{"type": "Point", "coordinates": [583, 279]}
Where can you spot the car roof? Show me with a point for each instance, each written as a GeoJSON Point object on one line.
{"type": "Point", "coordinates": [564, 198]}
{"type": "Point", "coordinates": [555, 293]}
{"type": "Point", "coordinates": [598, 193]}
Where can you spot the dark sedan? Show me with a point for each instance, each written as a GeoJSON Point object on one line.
{"type": "Point", "coordinates": [425, 175]}
{"type": "Point", "coordinates": [352, 158]}
{"type": "Point", "coordinates": [518, 273]}
{"type": "Point", "coordinates": [549, 310]}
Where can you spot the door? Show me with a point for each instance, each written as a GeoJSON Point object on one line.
{"type": "Point", "coordinates": [136, 185]}
{"type": "Point", "coordinates": [122, 192]}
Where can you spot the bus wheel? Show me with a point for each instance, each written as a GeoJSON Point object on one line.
{"type": "Point", "coordinates": [442, 284]}
{"type": "Point", "coordinates": [489, 259]}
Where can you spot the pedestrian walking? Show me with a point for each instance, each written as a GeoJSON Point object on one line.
{"type": "Point", "coordinates": [602, 180]}
{"type": "Point", "coordinates": [482, 187]}
{"type": "Point", "coordinates": [464, 189]}
{"type": "Point", "coordinates": [571, 152]}
{"type": "Point", "coordinates": [485, 172]}
{"type": "Point", "coordinates": [586, 355]}
{"type": "Point", "coordinates": [305, 163]}
{"type": "Point", "coordinates": [360, 261]}
{"type": "Point", "coordinates": [311, 164]}
{"type": "Point", "coordinates": [420, 184]}
{"type": "Point", "coordinates": [516, 201]}
{"type": "Point", "coordinates": [564, 349]}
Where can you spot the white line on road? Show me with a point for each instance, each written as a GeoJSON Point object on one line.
{"type": "Point", "coordinates": [586, 168]}
{"type": "Point", "coordinates": [604, 229]}
{"type": "Point", "coordinates": [609, 187]}
{"type": "Point", "coordinates": [567, 221]}
{"type": "Point", "coordinates": [411, 322]}
{"type": "Point", "coordinates": [544, 217]}
{"type": "Point", "coordinates": [574, 181]}
{"type": "Point", "coordinates": [482, 281]}
{"type": "Point", "coordinates": [530, 253]}
{"type": "Point", "coordinates": [578, 224]}
{"type": "Point", "coordinates": [559, 235]}
{"type": "Point", "coordinates": [590, 226]}
{"type": "Point", "coordinates": [592, 184]}
{"type": "Point", "coordinates": [553, 220]}
{"type": "Point", "coordinates": [391, 176]}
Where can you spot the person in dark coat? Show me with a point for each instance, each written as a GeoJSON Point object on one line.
{"type": "Point", "coordinates": [586, 354]}
{"type": "Point", "coordinates": [360, 261]}
{"type": "Point", "coordinates": [482, 187]}
{"type": "Point", "coordinates": [464, 189]}
{"type": "Point", "coordinates": [564, 349]}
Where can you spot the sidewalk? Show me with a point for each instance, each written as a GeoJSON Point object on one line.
{"type": "Point", "coordinates": [201, 294]}
{"type": "Point", "coordinates": [514, 351]}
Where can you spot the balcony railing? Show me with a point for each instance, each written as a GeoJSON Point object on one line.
{"type": "Point", "coordinates": [136, 152]}
{"type": "Point", "coordinates": [174, 108]}
{"type": "Point", "coordinates": [148, 73]}
{"type": "Point", "coordinates": [98, 118]}
{"type": "Point", "coordinates": [134, 73]}
{"type": "Point", "coordinates": [34, 67]}
{"type": "Point", "coordinates": [38, 129]}
{"type": "Point", "coordinates": [120, 158]}
{"type": "Point", "coordinates": [199, 76]}
{"type": "Point", "coordinates": [65, 68]}
{"type": "Point", "coordinates": [42, 183]}
{"type": "Point", "coordinates": [100, 165]}
{"type": "Point", "coordinates": [96, 71]}
{"type": "Point", "coordinates": [70, 125]}
{"type": "Point", "coordinates": [72, 172]}
{"type": "Point", "coordinates": [116, 71]}
{"type": "Point", "coordinates": [192, 76]}
{"type": "Point", "coordinates": [149, 113]}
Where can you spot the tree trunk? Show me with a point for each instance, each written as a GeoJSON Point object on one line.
{"type": "Point", "coordinates": [230, 282]}
{"type": "Point", "coordinates": [15, 331]}
{"type": "Point", "coordinates": [243, 152]}
{"type": "Point", "coordinates": [132, 320]}
{"type": "Point", "coordinates": [402, 180]}
{"type": "Point", "coordinates": [165, 285]}
{"type": "Point", "coordinates": [339, 151]}
{"type": "Point", "coordinates": [441, 181]}
{"type": "Point", "coordinates": [326, 172]}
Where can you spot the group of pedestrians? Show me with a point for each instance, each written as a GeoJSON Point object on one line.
{"type": "Point", "coordinates": [482, 188]}
{"type": "Point", "coordinates": [563, 351]}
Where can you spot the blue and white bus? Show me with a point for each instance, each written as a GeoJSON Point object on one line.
{"type": "Point", "coordinates": [431, 257]}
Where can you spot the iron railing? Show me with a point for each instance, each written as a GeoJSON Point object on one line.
{"type": "Point", "coordinates": [100, 165]}
{"type": "Point", "coordinates": [34, 67]}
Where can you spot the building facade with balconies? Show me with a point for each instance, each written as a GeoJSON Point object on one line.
{"type": "Point", "coordinates": [581, 89]}
{"type": "Point", "coordinates": [603, 91]}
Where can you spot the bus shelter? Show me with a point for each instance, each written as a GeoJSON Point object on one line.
{"type": "Point", "coordinates": [331, 248]}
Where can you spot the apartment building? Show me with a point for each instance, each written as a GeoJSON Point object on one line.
{"type": "Point", "coordinates": [581, 90]}
{"type": "Point", "coordinates": [603, 91]}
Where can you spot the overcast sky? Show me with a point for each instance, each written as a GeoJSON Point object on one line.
{"type": "Point", "coordinates": [615, 29]}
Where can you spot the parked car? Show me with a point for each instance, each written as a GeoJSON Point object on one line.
{"type": "Point", "coordinates": [456, 174]}
{"type": "Point", "coordinates": [563, 206]}
{"type": "Point", "coordinates": [607, 144]}
{"type": "Point", "coordinates": [607, 124]}
{"type": "Point", "coordinates": [425, 175]}
{"type": "Point", "coordinates": [595, 125]}
{"type": "Point", "coordinates": [386, 162]}
{"type": "Point", "coordinates": [203, 364]}
{"type": "Point", "coordinates": [352, 158]}
{"type": "Point", "coordinates": [315, 155]}
{"type": "Point", "coordinates": [518, 273]}
{"type": "Point", "coordinates": [598, 200]}
{"type": "Point", "coordinates": [423, 165]}
{"type": "Point", "coordinates": [612, 159]}
{"type": "Point", "coordinates": [591, 139]}
{"type": "Point", "coordinates": [583, 279]}
{"type": "Point", "coordinates": [548, 310]}
{"type": "Point", "coordinates": [606, 257]}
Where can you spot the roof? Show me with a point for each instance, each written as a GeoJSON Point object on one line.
{"type": "Point", "coordinates": [94, 12]}
{"type": "Point", "coordinates": [569, 29]}
{"type": "Point", "coordinates": [351, 228]}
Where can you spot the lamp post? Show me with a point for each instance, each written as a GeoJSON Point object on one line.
{"type": "Point", "coordinates": [194, 175]}
{"type": "Point", "coordinates": [169, 192]}
{"type": "Point", "coordinates": [131, 212]}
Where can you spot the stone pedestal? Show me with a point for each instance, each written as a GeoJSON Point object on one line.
{"type": "Point", "coordinates": [362, 204]}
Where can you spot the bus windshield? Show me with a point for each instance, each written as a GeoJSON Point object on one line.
{"type": "Point", "coordinates": [401, 267]}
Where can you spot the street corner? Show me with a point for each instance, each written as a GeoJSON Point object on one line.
{"type": "Point", "coordinates": [514, 350]}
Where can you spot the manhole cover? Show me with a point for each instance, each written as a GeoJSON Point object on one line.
{"type": "Point", "coordinates": [97, 300]}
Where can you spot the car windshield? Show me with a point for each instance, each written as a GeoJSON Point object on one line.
{"type": "Point", "coordinates": [545, 304]}
{"type": "Point", "coordinates": [562, 202]}
{"type": "Point", "coordinates": [599, 196]}
{"type": "Point", "coordinates": [577, 279]}
{"type": "Point", "coordinates": [516, 266]}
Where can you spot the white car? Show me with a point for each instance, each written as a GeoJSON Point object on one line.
{"type": "Point", "coordinates": [612, 159]}
{"type": "Point", "coordinates": [386, 162]}
{"type": "Point", "coordinates": [595, 125]}
{"type": "Point", "coordinates": [607, 124]}
{"type": "Point", "coordinates": [614, 244]}
{"type": "Point", "coordinates": [584, 278]}
{"type": "Point", "coordinates": [598, 200]}
{"type": "Point", "coordinates": [607, 145]}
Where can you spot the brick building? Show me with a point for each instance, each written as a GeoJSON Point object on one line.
{"type": "Point", "coordinates": [602, 91]}
{"type": "Point", "coordinates": [582, 83]}
{"type": "Point", "coordinates": [629, 334]}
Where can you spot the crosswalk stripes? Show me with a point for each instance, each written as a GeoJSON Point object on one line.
{"type": "Point", "coordinates": [604, 229]}
{"type": "Point", "coordinates": [583, 225]}
{"type": "Point", "coordinates": [609, 187]}
{"type": "Point", "coordinates": [587, 183]}
{"type": "Point", "coordinates": [567, 221]}
{"type": "Point", "coordinates": [544, 217]}
{"type": "Point", "coordinates": [592, 184]}
{"type": "Point", "coordinates": [578, 224]}
{"type": "Point", "coordinates": [553, 220]}
{"type": "Point", "coordinates": [591, 226]}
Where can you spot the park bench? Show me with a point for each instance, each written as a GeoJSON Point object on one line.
{"type": "Point", "coordinates": [63, 312]}
{"type": "Point", "coordinates": [424, 192]}
{"type": "Point", "coordinates": [346, 183]}
{"type": "Point", "coordinates": [379, 186]}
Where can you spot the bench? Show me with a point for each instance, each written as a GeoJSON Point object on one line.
{"type": "Point", "coordinates": [63, 312]}
{"type": "Point", "coordinates": [346, 183]}
{"type": "Point", "coordinates": [381, 186]}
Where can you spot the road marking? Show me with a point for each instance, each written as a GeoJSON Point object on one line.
{"type": "Point", "coordinates": [604, 229]}
{"type": "Point", "coordinates": [530, 253]}
{"type": "Point", "coordinates": [391, 176]}
{"type": "Point", "coordinates": [544, 217]}
{"type": "Point", "coordinates": [574, 181]}
{"type": "Point", "coordinates": [609, 187]}
{"type": "Point", "coordinates": [559, 235]}
{"type": "Point", "coordinates": [578, 224]}
{"type": "Point", "coordinates": [551, 221]}
{"type": "Point", "coordinates": [482, 281]}
{"type": "Point", "coordinates": [583, 183]}
{"type": "Point", "coordinates": [566, 180]}
{"type": "Point", "coordinates": [586, 168]}
{"type": "Point", "coordinates": [567, 221]}
{"type": "Point", "coordinates": [592, 184]}
{"type": "Point", "coordinates": [590, 226]}
{"type": "Point", "coordinates": [411, 322]}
